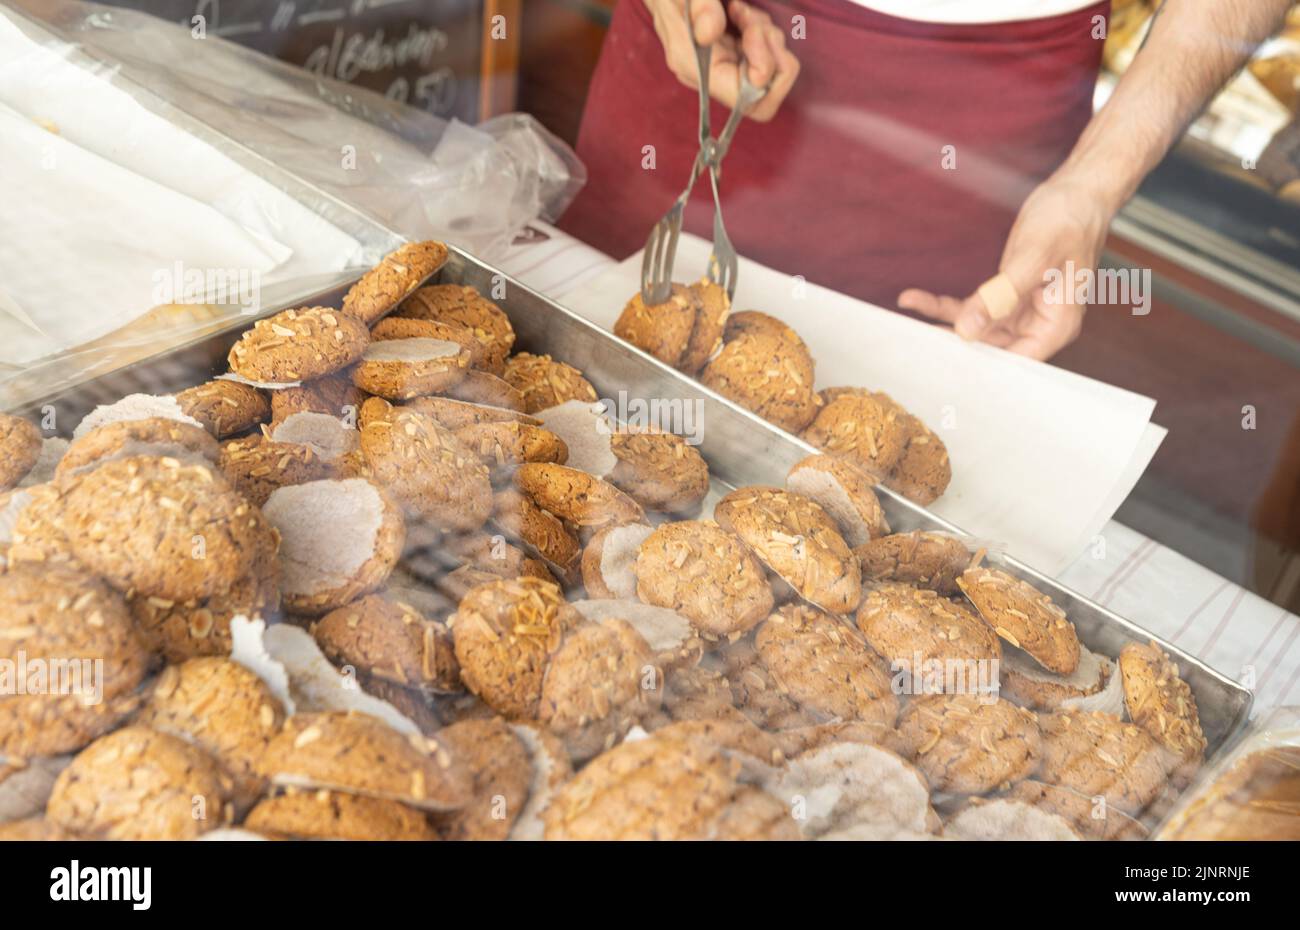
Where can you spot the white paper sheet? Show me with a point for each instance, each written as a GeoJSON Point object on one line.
{"type": "Point", "coordinates": [1041, 457]}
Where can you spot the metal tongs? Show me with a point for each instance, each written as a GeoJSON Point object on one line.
{"type": "Point", "coordinates": [661, 247]}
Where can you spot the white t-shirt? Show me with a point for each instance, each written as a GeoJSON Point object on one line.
{"type": "Point", "coordinates": [973, 11]}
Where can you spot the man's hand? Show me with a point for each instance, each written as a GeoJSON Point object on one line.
{"type": "Point", "coordinates": [761, 42]}
{"type": "Point", "coordinates": [1061, 225]}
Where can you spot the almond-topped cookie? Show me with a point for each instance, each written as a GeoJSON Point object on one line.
{"type": "Point", "coordinates": [461, 304]}
{"type": "Point", "coordinates": [798, 541]}
{"type": "Point", "coordinates": [453, 414]}
{"type": "Point", "coordinates": [399, 369]}
{"type": "Point", "coordinates": [1099, 755]}
{"type": "Point", "coordinates": [712, 307]}
{"type": "Point", "coordinates": [826, 665]}
{"type": "Point", "coordinates": [225, 407]}
{"type": "Point", "coordinates": [660, 471]}
{"type": "Point", "coordinates": [52, 615]}
{"type": "Point", "coordinates": [844, 490]}
{"type": "Point", "coordinates": [359, 754]}
{"type": "Point", "coordinates": [506, 632]}
{"type": "Point", "coordinates": [503, 446]}
{"type": "Point", "coordinates": [1023, 616]}
{"type": "Point", "coordinates": [1161, 702]}
{"type": "Point", "coordinates": [385, 638]}
{"type": "Point", "coordinates": [580, 498]}
{"type": "Point", "coordinates": [874, 432]}
{"type": "Point", "coordinates": [501, 769]}
{"type": "Point", "coordinates": [706, 574]}
{"type": "Point", "coordinates": [334, 815]}
{"type": "Point", "coordinates": [257, 466]}
{"type": "Point", "coordinates": [969, 745]}
{"type": "Point", "coordinates": [664, 329]}
{"type": "Point", "coordinates": [139, 784]}
{"type": "Point", "coordinates": [923, 471]}
{"type": "Point", "coordinates": [538, 530]}
{"type": "Point", "coordinates": [920, 558]}
{"type": "Point", "coordinates": [765, 374]}
{"type": "Point", "coordinates": [670, 636]}
{"type": "Point", "coordinates": [544, 382]}
{"type": "Point", "coordinates": [20, 447]}
{"type": "Point", "coordinates": [394, 279]}
{"type": "Point", "coordinates": [156, 436]}
{"type": "Point", "coordinates": [1027, 683]}
{"type": "Point", "coordinates": [424, 466]}
{"type": "Point", "coordinates": [183, 629]}
{"type": "Point", "coordinates": [298, 345]}
{"type": "Point", "coordinates": [917, 630]}
{"type": "Point", "coordinates": [481, 387]}
{"type": "Point", "coordinates": [335, 395]}
{"type": "Point", "coordinates": [394, 327]}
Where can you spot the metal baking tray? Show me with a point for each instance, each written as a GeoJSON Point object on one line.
{"type": "Point", "coordinates": [741, 448]}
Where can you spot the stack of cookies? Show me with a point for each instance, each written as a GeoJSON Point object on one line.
{"type": "Point", "coordinates": [558, 635]}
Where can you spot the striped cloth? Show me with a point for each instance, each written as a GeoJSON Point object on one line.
{"type": "Point", "coordinates": [1238, 633]}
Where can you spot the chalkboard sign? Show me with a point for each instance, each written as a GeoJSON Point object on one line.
{"type": "Point", "coordinates": [428, 54]}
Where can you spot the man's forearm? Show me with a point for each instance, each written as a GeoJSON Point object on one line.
{"type": "Point", "coordinates": [1193, 48]}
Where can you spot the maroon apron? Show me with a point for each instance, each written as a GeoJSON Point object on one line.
{"type": "Point", "coordinates": [898, 160]}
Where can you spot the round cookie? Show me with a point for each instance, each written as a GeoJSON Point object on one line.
{"type": "Point", "coordinates": [664, 329]}
{"type": "Point", "coordinates": [540, 531]}
{"type": "Point", "coordinates": [826, 665]}
{"type": "Point", "coordinates": [502, 446]}
{"type": "Point", "coordinates": [575, 496]}
{"type": "Point", "coordinates": [492, 554]}
{"type": "Point", "coordinates": [751, 322]}
{"type": "Point", "coordinates": [453, 414]}
{"type": "Point", "coordinates": [298, 345]}
{"type": "Point", "coordinates": [1099, 755]}
{"type": "Point", "coordinates": [759, 697]}
{"type": "Point", "coordinates": [184, 629]}
{"type": "Point", "coordinates": [71, 624]}
{"type": "Point", "coordinates": [402, 328]}
{"type": "Point", "coordinates": [910, 625]}
{"type": "Point", "coordinates": [544, 382]}
{"type": "Point", "coordinates": [221, 707]}
{"type": "Point", "coordinates": [1161, 702]}
{"type": "Point", "coordinates": [339, 540]}
{"type": "Point", "coordinates": [660, 471]}
{"type": "Point", "coordinates": [1028, 684]}
{"type": "Point", "coordinates": [460, 304]}
{"type": "Point", "coordinates": [332, 815]}
{"type": "Point", "coordinates": [425, 467]}
{"type": "Point", "coordinates": [923, 471]}
{"type": "Point", "coordinates": [712, 305]}
{"type": "Point", "coordinates": [1023, 616]}
{"type": "Point", "coordinates": [481, 387]}
{"type": "Point", "coordinates": [926, 560]}
{"type": "Point", "coordinates": [872, 432]}
{"type": "Point", "coordinates": [609, 558]}
{"type": "Point", "coordinates": [798, 541]}
{"type": "Point", "coordinates": [599, 683]}
{"type": "Point", "coordinates": [844, 490]}
{"type": "Point", "coordinates": [335, 395]}
{"type": "Point", "coordinates": [20, 447]}
{"type": "Point", "coordinates": [506, 632]}
{"type": "Point", "coordinates": [670, 636]}
{"type": "Point", "coordinates": [394, 279]}
{"type": "Point", "coordinates": [968, 745]}
{"type": "Point", "coordinates": [501, 769]}
{"type": "Point", "coordinates": [706, 574]}
{"type": "Point", "coordinates": [399, 369]}
{"type": "Point", "coordinates": [1088, 818]}
{"type": "Point", "coordinates": [156, 436]}
{"type": "Point", "coordinates": [225, 407]}
{"type": "Point", "coordinates": [257, 466]}
{"type": "Point", "coordinates": [139, 784]}
{"type": "Point", "coordinates": [387, 639]}
{"type": "Point", "coordinates": [359, 754]}
{"type": "Point", "coordinates": [765, 374]}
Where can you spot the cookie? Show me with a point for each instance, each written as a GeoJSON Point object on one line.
{"type": "Point", "coordinates": [298, 345]}
{"type": "Point", "coordinates": [706, 574]}
{"type": "Point", "coordinates": [55, 620]}
{"type": "Point", "coordinates": [660, 471]}
{"type": "Point", "coordinates": [1161, 702]}
{"type": "Point", "coordinates": [505, 634]}
{"type": "Point", "coordinates": [460, 304]}
{"type": "Point", "coordinates": [926, 560]}
{"type": "Point", "coordinates": [257, 466]}
{"type": "Point", "coordinates": [501, 770]}
{"type": "Point", "coordinates": [491, 553]}
{"type": "Point", "coordinates": [712, 305]}
{"type": "Point", "coordinates": [551, 769]}
{"type": "Point", "coordinates": [1027, 683]}
{"type": "Point", "coordinates": [503, 446]}
{"type": "Point", "coordinates": [1003, 819]}
{"type": "Point", "coordinates": [937, 645]}
{"type": "Point", "coordinates": [843, 489]}
{"type": "Point", "coordinates": [394, 279]}
{"type": "Point", "coordinates": [139, 784]}
{"type": "Point", "coordinates": [575, 496]}
{"type": "Point", "coordinates": [923, 472]}
{"type": "Point", "coordinates": [670, 636]}
{"type": "Point", "coordinates": [156, 436]}
{"type": "Point", "coordinates": [330, 437]}
{"type": "Point", "coordinates": [403, 368]}
{"type": "Point", "coordinates": [335, 395]}
{"type": "Point", "coordinates": [698, 693]}
{"type": "Point", "coordinates": [1099, 755]}
{"type": "Point", "coordinates": [598, 684]}
{"type": "Point", "coordinates": [185, 629]}
{"type": "Point", "coordinates": [795, 741]}
{"type": "Point", "coordinates": [968, 745]}
{"type": "Point", "coordinates": [359, 754]}
{"type": "Point", "coordinates": [20, 447]}
{"type": "Point", "coordinates": [332, 815]}
{"type": "Point", "coordinates": [457, 414]}
{"type": "Point", "coordinates": [424, 466]}
{"type": "Point", "coordinates": [1254, 799]}
{"type": "Point", "coordinates": [1023, 616]}
{"type": "Point", "coordinates": [224, 709]}
{"type": "Point", "coordinates": [481, 387]}
{"type": "Point", "coordinates": [544, 382]}
{"type": "Point", "coordinates": [225, 407]}
{"type": "Point", "coordinates": [826, 665]}
{"type": "Point", "coordinates": [387, 639]}
{"type": "Point", "coordinates": [663, 329]}
{"type": "Point", "coordinates": [539, 531]}
{"type": "Point", "coordinates": [751, 322]}
{"type": "Point", "coordinates": [765, 374]}
{"type": "Point", "coordinates": [759, 697]}
{"type": "Point", "coordinates": [865, 428]}
{"type": "Point", "coordinates": [339, 540]}
{"type": "Point", "coordinates": [609, 558]}
{"type": "Point", "coordinates": [401, 328]}
{"type": "Point", "coordinates": [1088, 818]}
{"type": "Point", "coordinates": [756, 750]}
{"type": "Point", "coordinates": [798, 541]}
